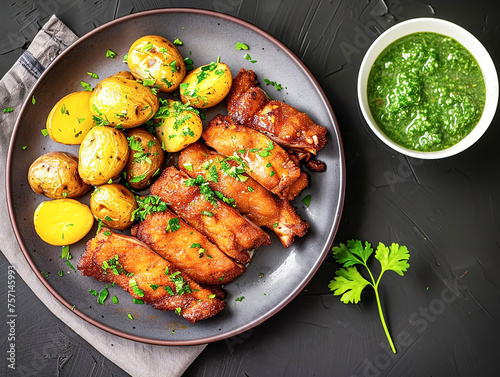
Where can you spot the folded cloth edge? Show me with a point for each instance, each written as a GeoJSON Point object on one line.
{"type": "Point", "coordinates": [137, 359]}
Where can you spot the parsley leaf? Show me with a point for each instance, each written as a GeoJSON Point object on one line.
{"type": "Point", "coordinates": [110, 54]}
{"type": "Point", "coordinates": [241, 46]}
{"type": "Point", "coordinates": [147, 205]}
{"type": "Point", "coordinates": [349, 283]}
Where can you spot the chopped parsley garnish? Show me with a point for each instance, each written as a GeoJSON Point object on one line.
{"type": "Point", "coordinates": [249, 58]}
{"type": "Point", "coordinates": [110, 54]}
{"type": "Point", "coordinates": [173, 225]}
{"type": "Point", "coordinates": [241, 46]}
{"type": "Point", "coordinates": [65, 252]}
{"type": "Point", "coordinates": [103, 295]}
{"type": "Point", "coordinates": [173, 66]}
{"type": "Point", "coordinates": [181, 286]}
{"type": "Point", "coordinates": [70, 265]}
{"type": "Point", "coordinates": [133, 284]}
{"type": "Point", "coordinates": [148, 82]}
{"type": "Point", "coordinates": [147, 47]}
{"type": "Point", "coordinates": [86, 86]}
{"type": "Point", "coordinates": [306, 200]}
{"type": "Point", "coordinates": [205, 189]}
{"type": "Point", "coordinates": [273, 83]}
{"type": "Point", "coordinates": [266, 152]}
{"type": "Point", "coordinates": [189, 64]}
{"type": "Point", "coordinates": [169, 290]}
{"type": "Point", "coordinates": [147, 205]}
{"type": "Point", "coordinates": [64, 110]}
{"type": "Point", "coordinates": [139, 154]}
{"type": "Point", "coordinates": [212, 174]}
{"type": "Point", "coordinates": [113, 264]}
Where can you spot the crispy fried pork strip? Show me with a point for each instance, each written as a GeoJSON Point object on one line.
{"type": "Point", "coordinates": [112, 258]}
{"type": "Point", "coordinates": [249, 105]}
{"type": "Point", "coordinates": [263, 160]}
{"type": "Point", "coordinates": [251, 198]}
{"type": "Point", "coordinates": [221, 223]}
{"type": "Point", "coordinates": [189, 250]}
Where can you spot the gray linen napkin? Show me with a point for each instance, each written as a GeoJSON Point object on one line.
{"type": "Point", "coordinates": [137, 359]}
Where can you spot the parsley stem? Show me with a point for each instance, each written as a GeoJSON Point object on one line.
{"type": "Point", "coordinates": [383, 320]}
{"type": "Point", "coordinates": [379, 306]}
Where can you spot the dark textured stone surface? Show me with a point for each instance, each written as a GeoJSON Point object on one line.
{"type": "Point", "coordinates": [443, 314]}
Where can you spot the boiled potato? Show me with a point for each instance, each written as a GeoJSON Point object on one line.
{"type": "Point", "coordinates": [207, 85]}
{"type": "Point", "coordinates": [145, 158]}
{"type": "Point", "coordinates": [178, 126]}
{"type": "Point", "coordinates": [120, 101]}
{"type": "Point", "coordinates": [62, 222]}
{"type": "Point", "coordinates": [103, 155]}
{"type": "Point", "coordinates": [70, 119]}
{"type": "Point", "coordinates": [157, 60]}
{"type": "Point", "coordinates": [113, 204]}
{"type": "Point", "coordinates": [55, 175]}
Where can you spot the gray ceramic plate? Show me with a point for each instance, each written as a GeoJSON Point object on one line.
{"type": "Point", "coordinates": [276, 275]}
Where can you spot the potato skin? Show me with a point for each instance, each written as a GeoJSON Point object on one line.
{"type": "Point", "coordinates": [177, 126]}
{"type": "Point", "coordinates": [145, 158]}
{"type": "Point", "coordinates": [154, 57]}
{"type": "Point", "coordinates": [113, 204]}
{"type": "Point", "coordinates": [103, 155]}
{"type": "Point", "coordinates": [55, 175]}
{"type": "Point", "coordinates": [120, 100]}
{"type": "Point", "coordinates": [207, 85]}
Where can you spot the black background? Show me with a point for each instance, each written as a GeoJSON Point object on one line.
{"type": "Point", "coordinates": [442, 314]}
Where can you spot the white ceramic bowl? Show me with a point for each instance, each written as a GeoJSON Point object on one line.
{"type": "Point", "coordinates": [466, 39]}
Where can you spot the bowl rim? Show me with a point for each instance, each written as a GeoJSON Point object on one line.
{"type": "Point", "coordinates": [467, 40]}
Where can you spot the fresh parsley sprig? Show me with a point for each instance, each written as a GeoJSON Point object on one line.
{"type": "Point", "coordinates": [349, 283]}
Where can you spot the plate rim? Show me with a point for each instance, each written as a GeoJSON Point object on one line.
{"type": "Point", "coordinates": [332, 232]}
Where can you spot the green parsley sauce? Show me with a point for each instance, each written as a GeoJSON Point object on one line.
{"type": "Point", "coordinates": [426, 91]}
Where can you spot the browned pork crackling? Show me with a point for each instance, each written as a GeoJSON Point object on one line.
{"type": "Point", "coordinates": [132, 265]}
{"type": "Point", "coordinates": [262, 159]}
{"type": "Point", "coordinates": [189, 250]}
{"type": "Point", "coordinates": [220, 222]}
{"type": "Point", "coordinates": [249, 105]}
{"type": "Point", "coordinates": [250, 197]}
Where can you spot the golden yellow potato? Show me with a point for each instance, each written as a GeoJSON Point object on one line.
{"type": "Point", "coordinates": [62, 222]}
{"type": "Point", "coordinates": [55, 175]}
{"type": "Point", "coordinates": [207, 85]}
{"type": "Point", "coordinates": [156, 59]}
{"type": "Point", "coordinates": [145, 158]}
{"type": "Point", "coordinates": [113, 204]}
{"type": "Point", "coordinates": [177, 126]}
{"type": "Point", "coordinates": [70, 119]}
{"type": "Point", "coordinates": [120, 101]}
{"type": "Point", "coordinates": [103, 155]}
